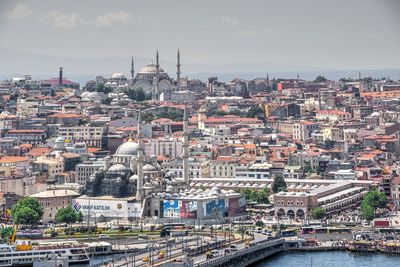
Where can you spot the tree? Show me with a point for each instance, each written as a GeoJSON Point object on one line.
{"type": "Point", "coordinates": [263, 196]}
{"type": "Point", "coordinates": [6, 232]}
{"type": "Point", "coordinates": [27, 211]}
{"type": "Point", "coordinates": [376, 199]}
{"type": "Point", "coordinates": [278, 184]}
{"type": "Point", "coordinates": [136, 94]}
{"type": "Point", "coordinates": [163, 232]}
{"type": "Point", "coordinates": [67, 215]}
{"type": "Point", "coordinates": [318, 213]}
{"type": "Point", "coordinates": [254, 111]}
{"type": "Point", "coordinates": [308, 168]}
{"type": "Point", "coordinates": [367, 211]}
{"type": "Point", "coordinates": [372, 201]}
{"type": "Point", "coordinates": [320, 79]}
{"type": "Point", "coordinates": [259, 224]}
{"type": "Point", "coordinates": [106, 101]}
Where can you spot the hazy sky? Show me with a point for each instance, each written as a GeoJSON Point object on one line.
{"type": "Point", "coordinates": [329, 34]}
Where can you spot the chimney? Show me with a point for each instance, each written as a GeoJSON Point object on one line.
{"type": "Point", "coordinates": [60, 77]}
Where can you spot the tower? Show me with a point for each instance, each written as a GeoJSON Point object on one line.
{"type": "Point", "coordinates": [178, 72]}
{"type": "Point", "coordinates": [132, 69]}
{"type": "Point", "coordinates": [140, 159]}
{"type": "Point", "coordinates": [60, 77]}
{"type": "Point", "coordinates": [185, 155]}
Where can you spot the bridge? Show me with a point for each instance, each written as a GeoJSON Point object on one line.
{"type": "Point", "coordinates": [247, 256]}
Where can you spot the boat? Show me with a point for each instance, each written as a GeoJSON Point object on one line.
{"type": "Point", "coordinates": [25, 254]}
{"type": "Point", "coordinates": [362, 247]}
{"type": "Point", "coordinates": [392, 248]}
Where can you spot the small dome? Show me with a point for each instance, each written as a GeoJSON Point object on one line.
{"type": "Point", "coordinates": [118, 168]}
{"type": "Point", "coordinates": [117, 75]}
{"type": "Point", "coordinates": [134, 177]}
{"type": "Point", "coordinates": [128, 148]}
{"type": "Point", "coordinates": [149, 168]}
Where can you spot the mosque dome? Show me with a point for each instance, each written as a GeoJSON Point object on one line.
{"type": "Point", "coordinates": [134, 177]}
{"type": "Point", "coordinates": [129, 148]}
{"type": "Point", "coordinates": [118, 168]}
{"type": "Point", "coordinates": [117, 75]}
{"type": "Point", "coordinates": [149, 69]}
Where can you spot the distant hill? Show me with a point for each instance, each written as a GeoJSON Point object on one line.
{"type": "Point", "coordinates": [14, 63]}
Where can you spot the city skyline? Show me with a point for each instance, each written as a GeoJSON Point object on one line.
{"type": "Point", "coordinates": [306, 35]}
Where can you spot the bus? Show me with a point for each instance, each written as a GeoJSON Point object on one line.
{"type": "Point", "coordinates": [288, 233]}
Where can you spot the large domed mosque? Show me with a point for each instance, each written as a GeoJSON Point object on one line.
{"type": "Point", "coordinates": [152, 79]}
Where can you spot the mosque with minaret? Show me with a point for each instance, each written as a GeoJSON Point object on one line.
{"type": "Point", "coordinates": [154, 81]}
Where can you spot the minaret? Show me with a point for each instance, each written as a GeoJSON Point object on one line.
{"type": "Point", "coordinates": [267, 79]}
{"type": "Point", "coordinates": [178, 72]}
{"type": "Point", "coordinates": [132, 69]}
{"type": "Point", "coordinates": [140, 159]}
{"type": "Point", "coordinates": [185, 155]}
{"type": "Point", "coordinates": [156, 91]}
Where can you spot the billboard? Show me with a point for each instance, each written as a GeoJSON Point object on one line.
{"type": "Point", "coordinates": [216, 207]}
{"type": "Point", "coordinates": [106, 207]}
{"type": "Point", "coordinates": [189, 209]}
{"type": "Point", "coordinates": [172, 208]}
{"type": "Point", "coordinates": [236, 206]}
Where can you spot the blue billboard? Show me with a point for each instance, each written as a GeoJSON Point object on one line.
{"type": "Point", "coordinates": [215, 207]}
{"type": "Point", "coordinates": [172, 208]}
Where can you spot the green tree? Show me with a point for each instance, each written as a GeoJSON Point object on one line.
{"type": "Point", "coordinates": [6, 232]}
{"type": "Point", "coordinates": [318, 213]}
{"type": "Point", "coordinates": [163, 232]}
{"type": "Point", "coordinates": [67, 215]}
{"type": "Point", "coordinates": [367, 211]}
{"type": "Point", "coordinates": [27, 211]}
{"type": "Point", "coordinates": [106, 101]}
{"type": "Point", "coordinates": [376, 199]}
{"type": "Point", "coordinates": [137, 94]}
{"type": "Point", "coordinates": [259, 224]}
{"type": "Point", "coordinates": [263, 196]}
{"type": "Point", "coordinates": [372, 201]}
{"type": "Point", "coordinates": [320, 79]}
{"type": "Point", "coordinates": [254, 111]}
{"type": "Point", "coordinates": [278, 184]}
{"type": "Point", "coordinates": [308, 168]}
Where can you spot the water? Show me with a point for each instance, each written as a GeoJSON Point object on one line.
{"type": "Point", "coordinates": [329, 259]}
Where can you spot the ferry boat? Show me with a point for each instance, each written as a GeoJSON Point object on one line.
{"type": "Point", "coordinates": [362, 247]}
{"type": "Point", "coordinates": [26, 254]}
{"type": "Point", "coordinates": [390, 248]}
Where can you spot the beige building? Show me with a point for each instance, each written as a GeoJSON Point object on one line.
{"type": "Point", "coordinates": [53, 200]}
{"type": "Point", "coordinates": [91, 136]}
{"type": "Point", "coordinates": [53, 166]}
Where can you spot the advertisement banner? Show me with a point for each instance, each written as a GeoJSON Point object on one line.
{"type": "Point", "coordinates": [237, 206]}
{"type": "Point", "coordinates": [172, 208]}
{"type": "Point", "coordinates": [215, 207]}
{"type": "Point", "coordinates": [189, 209]}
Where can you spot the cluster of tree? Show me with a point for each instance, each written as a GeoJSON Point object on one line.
{"type": "Point", "coordinates": [137, 95]}
{"type": "Point", "coordinates": [371, 202]}
{"type": "Point", "coordinates": [259, 196]}
{"type": "Point", "coordinates": [318, 213]}
{"type": "Point", "coordinates": [253, 112]}
{"type": "Point", "coordinates": [278, 184]}
{"type": "Point", "coordinates": [170, 114]}
{"type": "Point", "coordinates": [101, 88]}
{"type": "Point", "coordinates": [68, 215]}
{"type": "Point", "coordinates": [6, 233]}
{"type": "Point", "coordinates": [320, 79]}
{"type": "Point", "coordinates": [27, 211]}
